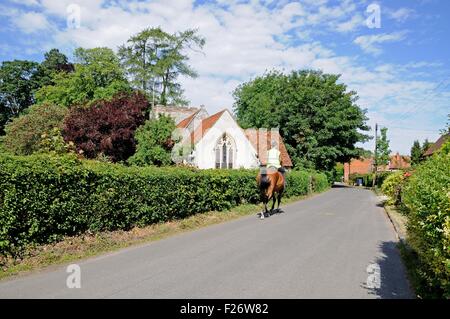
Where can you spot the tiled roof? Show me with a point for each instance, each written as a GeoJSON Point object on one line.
{"type": "Point", "coordinates": [184, 123]}
{"type": "Point", "coordinates": [262, 148]}
{"type": "Point", "coordinates": [436, 146]}
{"type": "Point", "coordinates": [399, 162]}
{"type": "Point", "coordinates": [204, 126]}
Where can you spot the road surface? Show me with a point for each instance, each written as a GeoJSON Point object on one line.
{"type": "Point", "coordinates": [338, 244]}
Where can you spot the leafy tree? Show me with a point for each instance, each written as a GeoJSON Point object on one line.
{"type": "Point", "coordinates": [425, 146]}
{"type": "Point", "coordinates": [4, 112]}
{"type": "Point", "coordinates": [154, 59]}
{"type": "Point", "coordinates": [382, 154]}
{"type": "Point", "coordinates": [365, 153]}
{"type": "Point", "coordinates": [16, 88]}
{"type": "Point", "coordinates": [97, 75]}
{"type": "Point", "coordinates": [24, 133]}
{"type": "Point", "coordinates": [319, 120]}
{"type": "Point", "coordinates": [416, 153]}
{"type": "Point", "coordinates": [154, 142]}
{"type": "Point", "coordinates": [54, 62]}
{"type": "Point", "coordinates": [106, 127]}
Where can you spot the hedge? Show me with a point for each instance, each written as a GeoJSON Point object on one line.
{"type": "Point", "coordinates": [426, 196]}
{"type": "Point", "coordinates": [43, 198]}
{"type": "Point", "coordinates": [392, 186]}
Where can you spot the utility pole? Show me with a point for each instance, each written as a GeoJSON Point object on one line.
{"type": "Point", "coordinates": [375, 156]}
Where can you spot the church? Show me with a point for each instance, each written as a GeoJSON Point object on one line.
{"type": "Point", "coordinates": [217, 141]}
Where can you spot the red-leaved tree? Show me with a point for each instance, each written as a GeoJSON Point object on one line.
{"type": "Point", "coordinates": [106, 127]}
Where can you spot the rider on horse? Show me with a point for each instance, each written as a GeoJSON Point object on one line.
{"type": "Point", "coordinates": [274, 159]}
{"type": "Point", "coordinates": [271, 180]}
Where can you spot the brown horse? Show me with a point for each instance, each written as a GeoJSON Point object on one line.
{"type": "Point", "coordinates": [271, 185]}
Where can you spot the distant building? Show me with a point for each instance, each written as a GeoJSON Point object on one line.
{"type": "Point", "coordinates": [217, 141]}
{"type": "Point", "coordinates": [366, 165]}
{"type": "Point", "coordinates": [436, 146]}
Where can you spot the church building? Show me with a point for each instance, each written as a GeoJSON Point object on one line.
{"type": "Point", "coordinates": [217, 141]}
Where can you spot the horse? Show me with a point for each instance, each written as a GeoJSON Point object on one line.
{"type": "Point", "coordinates": [271, 185]}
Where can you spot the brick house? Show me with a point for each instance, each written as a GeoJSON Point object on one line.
{"type": "Point", "coordinates": [366, 165]}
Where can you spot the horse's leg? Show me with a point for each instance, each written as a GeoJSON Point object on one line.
{"type": "Point", "coordinates": [279, 201]}
{"type": "Point", "coordinates": [274, 199]}
{"type": "Point", "coordinates": [265, 207]}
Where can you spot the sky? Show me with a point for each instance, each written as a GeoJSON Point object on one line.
{"type": "Point", "coordinates": [395, 54]}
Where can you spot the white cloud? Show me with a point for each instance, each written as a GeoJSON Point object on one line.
{"type": "Point", "coordinates": [351, 25]}
{"type": "Point", "coordinates": [245, 39]}
{"type": "Point", "coordinates": [400, 15]}
{"type": "Point", "coordinates": [31, 22]}
{"type": "Point", "coordinates": [29, 3]}
{"type": "Point", "coordinates": [370, 43]}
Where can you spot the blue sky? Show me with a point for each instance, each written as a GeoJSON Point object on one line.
{"type": "Point", "coordinates": [401, 69]}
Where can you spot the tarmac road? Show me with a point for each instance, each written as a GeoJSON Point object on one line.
{"type": "Point", "coordinates": [338, 244]}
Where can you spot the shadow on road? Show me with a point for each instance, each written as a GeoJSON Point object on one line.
{"type": "Point", "coordinates": [392, 282]}
{"type": "Point", "coordinates": [339, 185]}
{"type": "Point", "coordinates": [274, 212]}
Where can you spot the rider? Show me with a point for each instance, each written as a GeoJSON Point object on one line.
{"type": "Point", "coordinates": [274, 159]}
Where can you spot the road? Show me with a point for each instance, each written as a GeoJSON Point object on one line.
{"type": "Point", "coordinates": [323, 247]}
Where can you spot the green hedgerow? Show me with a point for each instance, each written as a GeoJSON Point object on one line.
{"type": "Point", "coordinates": [427, 197]}
{"type": "Point", "coordinates": [44, 197]}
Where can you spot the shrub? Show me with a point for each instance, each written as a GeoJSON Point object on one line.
{"type": "Point", "coordinates": [154, 142]}
{"type": "Point", "coordinates": [106, 127]}
{"type": "Point", "coordinates": [427, 197]}
{"type": "Point", "coordinates": [392, 186]}
{"type": "Point", "coordinates": [43, 198]}
{"type": "Point", "coordinates": [23, 134]}
{"type": "Point", "coordinates": [53, 143]}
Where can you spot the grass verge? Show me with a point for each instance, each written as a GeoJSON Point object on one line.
{"type": "Point", "coordinates": [412, 264]}
{"type": "Point", "coordinates": [89, 245]}
{"type": "Point", "coordinates": [409, 258]}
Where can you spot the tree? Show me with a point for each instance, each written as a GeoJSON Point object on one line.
{"type": "Point", "coordinates": [318, 119]}
{"type": "Point", "coordinates": [425, 146]}
{"type": "Point", "coordinates": [4, 112]}
{"type": "Point", "coordinates": [54, 62]}
{"type": "Point", "coordinates": [154, 142]}
{"type": "Point", "coordinates": [154, 59]}
{"type": "Point", "coordinates": [16, 88]}
{"type": "Point", "coordinates": [24, 133]}
{"type": "Point", "coordinates": [97, 75]}
{"type": "Point", "coordinates": [106, 127]}
{"type": "Point", "coordinates": [382, 154]}
{"type": "Point", "coordinates": [416, 153]}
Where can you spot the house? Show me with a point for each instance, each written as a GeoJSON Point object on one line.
{"type": "Point", "coordinates": [366, 165]}
{"type": "Point", "coordinates": [358, 166]}
{"type": "Point", "coordinates": [217, 141]}
{"type": "Point", "coordinates": [398, 162]}
{"type": "Point", "coordinates": [436, 146]}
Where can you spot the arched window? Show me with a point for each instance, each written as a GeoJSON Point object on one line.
{"type": "Point", "coordinates": [224, 152]}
